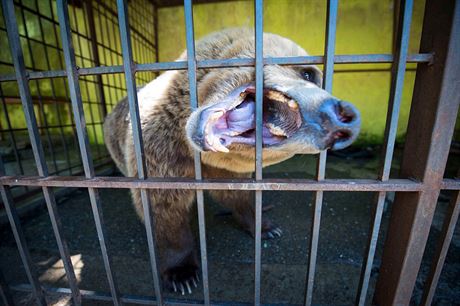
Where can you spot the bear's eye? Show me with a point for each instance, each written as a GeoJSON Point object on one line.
{"type": "Point", "coordinates": [308, 75]}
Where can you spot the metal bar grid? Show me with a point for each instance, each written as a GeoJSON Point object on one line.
{"type": "Point", "coordinates": [10, 130]}
{"type": "Point", "coordinates": [77, 106]}
{"type": "Point", "coordinates": [84, 83]}
{"type": "Point", "coordinates": [192, 79]}
{"type": "Point", "coordinates": [41, 111]}
{"type": "Point", "coordinates": [138, 141]}
{"type": "Point", "coordinates": [382, 185]}
{"type": "Point", "coordinates": [18, 59]}
{"type": "Point", "coordinates": [43, 13]}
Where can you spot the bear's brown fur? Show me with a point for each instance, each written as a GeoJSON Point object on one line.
{"type": "Point", "coordinates": [168, 128]}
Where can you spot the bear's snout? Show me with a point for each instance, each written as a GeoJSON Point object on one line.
{"type": "Point", "coordinates": [340, 121]}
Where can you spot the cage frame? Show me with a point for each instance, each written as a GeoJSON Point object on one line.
{"type": "Point", "coordinates": [433, 113]}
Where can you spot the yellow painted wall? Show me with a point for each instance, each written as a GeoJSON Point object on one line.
{"type": "Point", "coordinates": [363, 27]}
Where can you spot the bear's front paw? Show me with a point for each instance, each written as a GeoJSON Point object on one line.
{"type": "Point", "coordinates": [181, 278]}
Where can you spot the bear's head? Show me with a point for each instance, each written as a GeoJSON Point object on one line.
{"type": "Point", "coordinates": [298, 115]}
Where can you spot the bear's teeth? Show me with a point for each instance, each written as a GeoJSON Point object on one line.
{"type": "Point", "coordinates": [216, 146]}
{"type": "Point", "coordinates": [276, 130]}
{"type": "Point", "coordinates": [293, 104]}
{"type": "Point", "coordinates": [277, 96]}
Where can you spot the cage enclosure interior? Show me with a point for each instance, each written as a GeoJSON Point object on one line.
{"type": "Point", "coordinates": [372, 223]}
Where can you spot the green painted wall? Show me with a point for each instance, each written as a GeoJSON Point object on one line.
{"type": "Point", "coordinates": [363, 27]}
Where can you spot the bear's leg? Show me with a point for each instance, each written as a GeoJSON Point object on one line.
{"type": "Point", "coordinates": [242, 205]}
{"type": "Point", "coordinates": [175, 242]}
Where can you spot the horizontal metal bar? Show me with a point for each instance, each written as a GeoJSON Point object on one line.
{"type": "Point", "coordinates": [403, 185]}
{"type": "Point", "coordinates": [450, 184]}
{"type": "Point", "coordinates": [127, 298]}
{"type": "Point", "coordinates": [230, 62]}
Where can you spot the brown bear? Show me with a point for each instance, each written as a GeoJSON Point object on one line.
{"type": "Point", "coordinates": [298, 118]}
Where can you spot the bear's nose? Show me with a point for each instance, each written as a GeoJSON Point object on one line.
{"type": "Point", "coordinates": [340, 121]}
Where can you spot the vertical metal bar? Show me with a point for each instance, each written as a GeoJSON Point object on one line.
{"type": "Point", "coordinates": [37, 148]}
{"type": "Point", "coordinates": [11, 132]}
{"type": "Point", "coordinates": [331, 27]}
{"type": "Point", "coordinates": [77, 106]}
{"type": "Point", "coordinates": [40, 102]}
{"type": "Point", "coordinates": [397, 82]}
{"type": "Point", "coordinates": [431, 123]}
{"type": "Point", "coordinates": [443, 246]}
{"type": "Point", "coordinates": [90, 108]}
{"type": "Point", "coordinates": [259, 69]}
{"type": "Point", "coordinates": [394, 105]}
{"type": "Point", "coordinates": [102, 109]}
{"type": "Point", "coordinates": [129, 69]}
{"type": "Point", "coordinates": [191, 62]}
{"type": "Point", "coordinates": [92, 30]}
{"type": "Point", "coordinates": [20, 239]}
{"type": "Point", "coordinates": [61, 64]}
{"type": "Point", "coordinates": [53, 94]}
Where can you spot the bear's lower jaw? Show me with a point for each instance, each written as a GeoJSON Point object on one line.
{"type": "Point", "coordinates": [233, 120]}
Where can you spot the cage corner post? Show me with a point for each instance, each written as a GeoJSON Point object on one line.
{"type": "Point", "coordinates": [432, 119]}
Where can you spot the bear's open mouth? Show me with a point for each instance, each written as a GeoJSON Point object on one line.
{"type": "Point", "coordinates": [235, 123]}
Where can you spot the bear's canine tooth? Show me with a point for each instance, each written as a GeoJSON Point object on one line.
{"type": "Point", "coordinates": [276, 130]}
{"type": "Point", "coordinates": [293, 104]}
{"type": "Point", "coordinates": [277, 96]}
{"type": "Point", "coordinates": [216, 115]}
{"type": "Point", "coordinates": [215, 144]}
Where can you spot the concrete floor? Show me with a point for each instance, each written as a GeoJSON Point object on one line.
{"type": "Point", "coordinates": [343, 236]}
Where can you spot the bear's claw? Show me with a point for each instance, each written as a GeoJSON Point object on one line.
{"type": "Point", "coordinates": [180, 279]}
{"type": "Point", "coordinates": [272, 233]}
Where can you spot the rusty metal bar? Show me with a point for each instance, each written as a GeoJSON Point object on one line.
{"type": "Point", "coordinates": [226, 63]}
{"type": "Point", "coordinates": [431, 123]}
{"type": "Point", "coordinates": [329, 50]}
{"type": "Point", "coordinates": [191, 64]}
{"type": "Point", "coordinates": [37, 148]}
{"type": "Point", "coordinates": [441, 252]}
{"type": "Point", "coordinates": [394, 106]}
{"type": "Point", "coordinates": [128, 65]}
{"type": "Point", "coordinates": [401, 185]}
{"type": "Point", "coordinates": [127, 298]}
{"type": "Point", "coordinates": [450, 184]}
{"type": "Point", "coordinates": [85, 151]}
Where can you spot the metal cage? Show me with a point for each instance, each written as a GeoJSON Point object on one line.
{"type": "Point", "coordinates": [133, 59]}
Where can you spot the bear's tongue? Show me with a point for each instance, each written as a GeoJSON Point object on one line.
{"type": "Point", "coordinates": [238, 126]}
